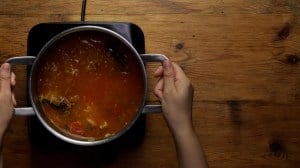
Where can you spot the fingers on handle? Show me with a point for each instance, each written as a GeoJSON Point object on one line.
{"type": "Point", "coordinates": [180, 77]}
{"type": "Point", "coordinates": [5, 77]}
{"type": "Point", "coordinates": [159, 72]}
{"type": "Point", "coordinates": [13, 79]}
{"type": "Point", "coordinates": [14, 99]}
{"type": "Point", "coordinates": [178, 71]}
{"type": "Point", "coordinates": [158, 90]}
{"type": "Point", "coordinates": [13, 84]}
{"type": "Point", "coordinates": [169, 75]}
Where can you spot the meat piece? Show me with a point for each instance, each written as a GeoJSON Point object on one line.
{"type": "Point", "coordinates": [58, 102]}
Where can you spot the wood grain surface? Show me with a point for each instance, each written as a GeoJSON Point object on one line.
{"type": "Point", "coordinates": [241, 55]}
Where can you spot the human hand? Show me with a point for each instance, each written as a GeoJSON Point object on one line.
{"type": "Point", "coordinates": [175, 92]}
{"type": "Point", "coordinates": [7, 98]}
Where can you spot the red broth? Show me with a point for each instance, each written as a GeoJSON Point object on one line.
{"type": "Point", "coordinates": [89, 85]}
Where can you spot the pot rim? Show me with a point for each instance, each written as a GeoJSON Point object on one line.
{"type": "Point", "coordinates": [60, 135]}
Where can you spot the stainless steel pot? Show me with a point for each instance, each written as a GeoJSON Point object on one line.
{"type": "Point", "coordinates": [35, 60]}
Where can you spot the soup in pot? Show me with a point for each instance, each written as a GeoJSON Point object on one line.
{"type": "Point", "coordinates": [90, 85]}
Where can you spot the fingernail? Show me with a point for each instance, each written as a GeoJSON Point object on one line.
{"type": "Point", "coordinates": [6, 67]}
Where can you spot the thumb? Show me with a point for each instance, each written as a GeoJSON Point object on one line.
{"type": "Point", "coordinates": [169, 75]}
{"type": "Point", "coordinates": [5, 77]}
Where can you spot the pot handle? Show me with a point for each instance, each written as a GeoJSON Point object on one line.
{"type": "Point", "coordinates": [24, 111]}
{"type": "Point", "coordinates": [23, 60]}
{"type": "Point", "coordinates": [150, 108]}
{"type": "Point", "coordinates": [152, 58]}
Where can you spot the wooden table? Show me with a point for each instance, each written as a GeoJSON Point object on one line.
{"type": "Point", "coordinates": [242, 57]}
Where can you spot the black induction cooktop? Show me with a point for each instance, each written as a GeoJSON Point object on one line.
{"type": "Point", "coordinates": [38, 36]}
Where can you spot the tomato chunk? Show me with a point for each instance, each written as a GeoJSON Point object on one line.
{"type": "Point", "coordinates": [76, 128]}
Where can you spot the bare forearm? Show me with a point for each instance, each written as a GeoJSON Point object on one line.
{"type": "Point", "coordinates": [189, 150]}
